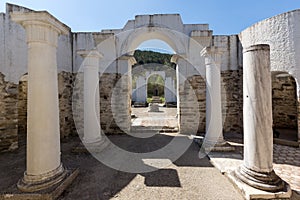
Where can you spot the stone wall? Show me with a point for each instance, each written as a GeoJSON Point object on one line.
{"type": "Point", "coordinates": [284, 101]}
{"type": "Point", "coordinates": [22, 108]}
{"type": "Point", "coordinates": [232, 100]}
{"type": "Point", "coordinates": [110, 100]}
{"type": "Point", "coordinates": [194, 90]}
{"type": "Point", "coordinates": [65, 91]}
{"type": "Point", "coordinates": [8, 115]}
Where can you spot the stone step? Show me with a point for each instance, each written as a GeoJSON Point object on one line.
{"type": "Point", "coordinates": [159, 129]}
{"type": "Point", "coordinates": [156, 99]}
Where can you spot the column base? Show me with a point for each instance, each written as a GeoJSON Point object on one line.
{"type": "Point", "coordinates": [95, 147]}
{"type": "Point", "coordinates": [49, 194]}
{"type": "Point", "coordinates": [269, 182]}
{"type": "Point", "coordinates": [34, 183]}
{"type": "Point", "coordinates": [220, 146]}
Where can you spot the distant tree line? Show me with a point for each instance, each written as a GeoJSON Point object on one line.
{"type": "Point", "coordinates": [147, 57]}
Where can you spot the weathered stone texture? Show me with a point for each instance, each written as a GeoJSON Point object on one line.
{"type": "Point", "coordinates": [8, 115]}
{"type": "Point", "coordinates": [65, 90]}
{"type": "Point", "coordinates": [78, 103]}
{"type": "Point", "coordinates": [193, 105]}
{"type": "Point", "coordinates": [22, 107]}
{"type": "Point", "coordinates": [232, 100]}
{"type": "Point", "coordinates": [284, 102]}
{"type": "Point", "coordinates": [111, 100]}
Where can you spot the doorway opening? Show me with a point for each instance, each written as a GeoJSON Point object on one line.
{"type": "Point", "coordinates": [154, 88]}
{"type": "Point", "coordinates": [284, 107]}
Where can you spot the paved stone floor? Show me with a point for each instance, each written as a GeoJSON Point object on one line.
{"type": "Point", "coordinates": [287, 165]}
{"type": "Point", "coordinates": [286, 162]}
{"type": "Point", "coordinates": [186, 177]}
{"type": "Point", "coordinates": [165, 118]}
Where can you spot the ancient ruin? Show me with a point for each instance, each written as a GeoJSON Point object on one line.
{"type": "Point", "coordinates": [56, 83]}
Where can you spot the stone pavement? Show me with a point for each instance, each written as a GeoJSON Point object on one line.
{"type": "Point", "coordinates": [165, 118]}
{"type": "Point", "coordinates": [286, 163]}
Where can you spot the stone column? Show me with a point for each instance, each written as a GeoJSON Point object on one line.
{"type": "Point", "coordinates": [141, 91]}
{"type": "Point", "coordinates": [214, 139]}
{"type": "Point", "coordinates": [298, 112]}
{"type": "Point", "coordinates": [168, 89]}
{"type": "Point", "coordinates": [44, 168]}
{"type": "Point", "coordinates": [121, 100]}
{"type": "Point", "coordinates": [257, 169]}
{"type": "Point", "coordinates": [92, 130]}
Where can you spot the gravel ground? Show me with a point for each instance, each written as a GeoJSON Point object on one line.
{"type": "Point", "coordinates": [182, 177]}
{"type": "Point", "coordinates": [186, 178]}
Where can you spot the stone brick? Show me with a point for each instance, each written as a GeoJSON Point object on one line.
{"type": "Point", "coordinates": [8, 115]}
{"type": "Point", "coordinates": [284, 102]}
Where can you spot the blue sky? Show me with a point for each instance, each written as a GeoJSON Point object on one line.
{"type": "Point", "coordinates": [225, 17]}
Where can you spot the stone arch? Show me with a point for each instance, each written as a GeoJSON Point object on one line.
{"type": "Point", "coordinates": [134, 38]}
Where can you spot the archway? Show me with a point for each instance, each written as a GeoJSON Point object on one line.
{"type": "Point", "coordinates": [149, 77]}
{"type": "Point", "coordinates": [185, 40]}
{"type": "Point", "coordinates": [284, 106]}
{"type": "Point", "coordinates": [156, 88]}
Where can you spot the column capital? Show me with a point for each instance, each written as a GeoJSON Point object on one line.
{"type": "Point", "coordinates": [212, 54]}
{"type": "Point", "coordinates": [176, 57]}
{"type": "Point", "coordinates": [91, 58]}
{"type": "Point", "coordinates": [130, 58]}
{"type": "Point", "coordinates": [257, 47]}
{"type": "Point", "coordinates": [40, 26]}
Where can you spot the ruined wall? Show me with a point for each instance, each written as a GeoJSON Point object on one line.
{"type": "Point", "coordinates": [107, 82]}
{"type": "Point", "coordinates": [284, 102]}
{"type": "Point", "coordinates": [8, 115]}
{"type": "Point", "coordinates": [232, 100]}
{"type": "Point", "coordinates": [22, 108]}
{"type": "Point", "coordinates": [65, 91]}
{"type": "Point", "coordinates": [109, 103]}
{"type": "Point", "coordinates": [196, 86]}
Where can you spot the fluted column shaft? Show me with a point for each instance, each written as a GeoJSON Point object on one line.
{"type": "Point", "coordinates": [44, 166]}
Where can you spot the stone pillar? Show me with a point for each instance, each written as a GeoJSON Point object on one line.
{"type": "Point", "coordinates": [92, 130]}
{"type": "Point", "coordinates": [121, 100]}
{"type": "Point", "coordinates": [44, 168]}
{"type": "Point", "coordinates": [257, 169]}
{"type": "Point", "coordinates": [214, 139]}
{"type": "Point", "coordinates": [298, 112]}
{"type": "Point", "coordinates": [187, 102]}
{"type": "Point", "coordinates": [141, 91]}
{"type": "Point", "coordinates": [168, 89]}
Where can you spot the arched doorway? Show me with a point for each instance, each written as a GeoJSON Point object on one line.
{"type": "Point", "coordinates": [186, 40]}
{"type": "Point", "coordinates": [156, 87]}
{"type": "Point", "coordinates": [284, 107]}
{"type": "Point", "coordinates": [153, 67]}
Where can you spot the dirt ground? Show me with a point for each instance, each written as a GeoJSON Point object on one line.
{"type": "Point", "coordinates": [186, 177]}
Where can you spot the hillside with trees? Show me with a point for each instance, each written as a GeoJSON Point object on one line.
{"type": "Point", "coordinates": [147, 57]}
